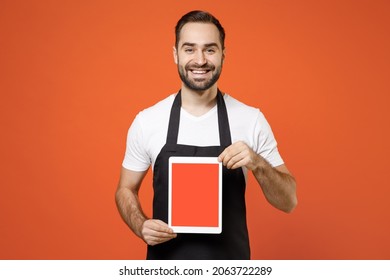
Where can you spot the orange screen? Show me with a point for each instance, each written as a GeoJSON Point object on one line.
{"type": "Point", "coordinates": [195, 194]}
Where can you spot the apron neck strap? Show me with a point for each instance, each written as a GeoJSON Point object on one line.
{"type": "Point", "coordinates": [223, 121]}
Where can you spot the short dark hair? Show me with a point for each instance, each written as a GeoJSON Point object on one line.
{"type": "Point", "coordinates": [202, 17]}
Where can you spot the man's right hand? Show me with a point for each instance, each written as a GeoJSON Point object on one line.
{"type": "Point", "coordinates": [156, 231]}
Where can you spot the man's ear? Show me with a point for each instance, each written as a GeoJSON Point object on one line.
{"type": "Point", "coordinates": [223, 55]}
{"type": "Point", "coordinates": [175, 54]}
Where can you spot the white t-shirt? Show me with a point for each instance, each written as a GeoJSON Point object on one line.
{"type": "Point", "coordinates": [147, 134]}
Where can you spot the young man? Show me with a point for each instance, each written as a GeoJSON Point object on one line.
{"type": "Point", "coordinates": [201, 121]}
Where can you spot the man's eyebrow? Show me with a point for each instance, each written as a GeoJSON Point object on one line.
{"type": "Point", "coordinates": [211, 45]}
{"type": "Point", "coordinates": [208, 45]}
{"type": "Point", "coordinates": [186, 44]}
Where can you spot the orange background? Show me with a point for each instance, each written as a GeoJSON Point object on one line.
{"type": "Point", "coordinates": [73, 75]}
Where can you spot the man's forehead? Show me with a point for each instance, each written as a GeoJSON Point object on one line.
{"type": "Point", "coordinates": [199, 34]}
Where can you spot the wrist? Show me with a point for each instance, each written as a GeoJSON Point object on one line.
{"type": "Point", "coordinates": [259, 164]}
{"type": "Point", "coordinates": [141, 228]}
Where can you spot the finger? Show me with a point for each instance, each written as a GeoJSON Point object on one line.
{"type": "Point", "coordinates": [234, 160]}
{"type": "Point", "coordinates": [246, 158]}
{"type": "Point", "coordinates": [164, 226]}
{"type": "Point", "coordinates": [239, 163]}
{"type": "Point", "coordinates": [153, 237]}
{"type": "Point", "coordinates": [158, 226]}
{"type": "Point", "coordinates": [232, 154]}
{"type": "Point", "coordinates": [161, 238]}
{"type": "Point", "coordinates": [227, 152]}
{"type": "Point", "coordinates": [222, 156]}
{"type": "Point", "coordinates": [228, 155]}
{"type": "Point", "coordinates": [158, 229]}
{"type": "Point", "coordinates": [159, 234]}
{"type": "Point", "coordinates": [152, 240]}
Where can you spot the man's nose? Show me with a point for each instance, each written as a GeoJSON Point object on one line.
{"type": "Point", "coordinates": [200, 58]}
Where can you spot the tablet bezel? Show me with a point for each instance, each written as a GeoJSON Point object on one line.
{"type": "Point", "coordinates": [195, 229]}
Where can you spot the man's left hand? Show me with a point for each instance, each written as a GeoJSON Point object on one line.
{"type": "Point", "coordinates": [239, 155]}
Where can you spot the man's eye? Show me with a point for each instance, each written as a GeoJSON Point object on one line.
{"type": "Point", "coordinates": [188, 50]}
{"type": "Point", "coordinates": [210, 51]}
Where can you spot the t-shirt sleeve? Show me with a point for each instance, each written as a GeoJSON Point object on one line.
{"type": "Point", "coordinates": [265, 143]}
{"type": "Point", "coordinates": [136, 157]}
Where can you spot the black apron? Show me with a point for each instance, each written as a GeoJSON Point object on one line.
{"type": "Point", "coordinates": [233, 242]}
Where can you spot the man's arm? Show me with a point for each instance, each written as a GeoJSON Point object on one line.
{"type": "Point", "coordinates": [150, 230]}
{"type": "Point", "coordinates": [278, 185]}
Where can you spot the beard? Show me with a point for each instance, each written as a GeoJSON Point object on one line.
{"type": "Point", "coordinates": [199, 84]}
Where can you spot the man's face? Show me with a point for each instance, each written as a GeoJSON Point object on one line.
{"type": "Point", "coordinates": [199, 55]}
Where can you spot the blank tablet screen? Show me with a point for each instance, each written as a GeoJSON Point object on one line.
{"type": "Point", "coordinates": [195, 194]}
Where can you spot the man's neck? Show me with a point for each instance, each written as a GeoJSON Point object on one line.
{"type": "Point", "coordinates": [198, 103]}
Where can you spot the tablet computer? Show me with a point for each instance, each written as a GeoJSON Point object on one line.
{"type": "Point", "coordinates": [195, 195]}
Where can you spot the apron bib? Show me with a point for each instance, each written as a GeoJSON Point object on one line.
{"type": "Point", "coordinates": [233, 242]}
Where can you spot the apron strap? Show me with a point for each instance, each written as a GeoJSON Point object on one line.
{"type": "Point", "coordinates": [225, 138]}
{"type": "Point", "coordinates": [174, 120]}
{"type": "Point", "coordinates": [223, 121]}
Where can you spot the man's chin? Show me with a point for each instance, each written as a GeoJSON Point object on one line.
{"type": "Point", "coordinates": [198, 86]}
{"type": "Point", "coordinates": [200, 83]}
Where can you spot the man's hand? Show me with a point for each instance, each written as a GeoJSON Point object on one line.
{"type": "Point", "coordinates": [277, 183]}
{"type": "Point", "coordinates": [156, 231]}
{"type": "Point", "coordinates": [239, 155]}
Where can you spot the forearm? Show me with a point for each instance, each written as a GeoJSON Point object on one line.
{"type": "Point", "coordinates": [130, 210]}
{"type": "Point", "coordinates": [278, 187]}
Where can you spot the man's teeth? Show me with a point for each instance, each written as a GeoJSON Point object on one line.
{"type": "Point", "coordinates": [199, 72]}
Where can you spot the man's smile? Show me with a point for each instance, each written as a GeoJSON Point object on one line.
{"type": "Point", "coordinates": [199, 71]}
{"type": "Point", "coordinates": [199, 74]}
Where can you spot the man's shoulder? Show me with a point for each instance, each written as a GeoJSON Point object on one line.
{"type": "Point", "coordinates": [237, 107]}
{"type": "Point", "coordinates": [158, 110]}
